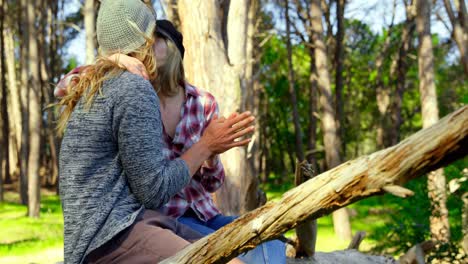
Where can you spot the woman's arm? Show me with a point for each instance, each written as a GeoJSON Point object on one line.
{"type": "Point", "coordinates": [137, 128]}
{"type": "Point", "coordinates": [132, 65]}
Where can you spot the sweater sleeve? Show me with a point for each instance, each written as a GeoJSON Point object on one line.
{"type": "Point", "coordinates": [137, 127]}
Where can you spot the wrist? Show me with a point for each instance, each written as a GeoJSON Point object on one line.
{"type": "Point", "coordinates": [203, 149]}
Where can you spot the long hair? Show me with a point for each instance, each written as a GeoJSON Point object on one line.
{"type": "Point", "coordinates": [171, 74]}
{"type": "Point", "coordinates": [89, 83]}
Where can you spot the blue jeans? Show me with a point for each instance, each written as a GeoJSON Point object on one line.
{"type": "Point", "coordinates": [271, 252]}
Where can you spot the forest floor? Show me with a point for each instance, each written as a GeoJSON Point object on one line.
{"type": "Point", "coordinates": [26, 240]}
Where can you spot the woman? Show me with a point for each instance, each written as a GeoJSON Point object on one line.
{"type": "Point", "coordinates": [112, 173]}
{"type": "Point", "coordinates": [186, 112]}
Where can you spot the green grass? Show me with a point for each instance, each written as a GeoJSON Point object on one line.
{"type": "Point", "coordinates": [28, 240]}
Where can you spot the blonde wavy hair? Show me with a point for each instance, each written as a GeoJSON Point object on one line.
{"type": "Point", "coordinates": [89, 83]}
{"type": "Point", "coordinates": [171, 74]}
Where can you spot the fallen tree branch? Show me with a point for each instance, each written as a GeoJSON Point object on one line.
{"type": "Point", "coordinates": [354, 180]}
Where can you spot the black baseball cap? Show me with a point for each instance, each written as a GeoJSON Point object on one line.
{"type": "Point", "coordinates": [166, 29]}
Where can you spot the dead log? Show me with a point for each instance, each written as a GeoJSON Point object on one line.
{"type": "Point", "coordinates": [354, 180]}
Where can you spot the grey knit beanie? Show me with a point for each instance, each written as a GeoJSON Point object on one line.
{"type": "Point", "coordinates": [122, 25]}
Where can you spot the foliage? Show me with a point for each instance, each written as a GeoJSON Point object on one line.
{"type": "Point", "coordinates": [408, 224]}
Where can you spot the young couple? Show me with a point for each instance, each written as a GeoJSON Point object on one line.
{"type": "Point", "coordinates": [139, 155]}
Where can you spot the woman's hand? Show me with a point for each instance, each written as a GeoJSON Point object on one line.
{"type": "Point", "coordinates": [69, 80]}
{"type": "Point", "coordinates": [223, 134]}
{"type": "Point", "coordinates": [61, 88]}
{"type": "Point", "coordinates": [133, 65]}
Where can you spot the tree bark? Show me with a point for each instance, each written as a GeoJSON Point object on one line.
{"type": "Point", "coordinates": [331, 137]}
{"type": "Point", "coordinates": [382, 171]}
{"type": "Point", "coordinates": [4, 161]}
{"type": "Point", "coordinates": [312, 130]}
{"type": "Point", "coordinates": [239, 45]}
{"type": "Point", "coordinates": [90, 28]}
{"type": "Point", "coordinates": [382, 90]}
{"type": "Point", "coordinates": [46, 77]}
{"type": "Point", "coordinates": [25, 85]}
{"type": "Point", "coordinates": [339, 61]}
{"type": "Point", "coordinates": [15, 104]}
{"type": "Point", "coordinates": [35, 116]}
{"type": "Point", "coordinates": [306, 232]}
{"type": "Point", "coordinates": [459, 30]}
{"type": "Point", "coordinates": [402, 68]}
{"type": "Point", "coordinates": [213, 66]}
{"type": "Point", "coordinates": [254, 197]}
{"type": "Point", "coordinates": [439, 224]}
{"type": "Point", "coordinates": [170, 8]}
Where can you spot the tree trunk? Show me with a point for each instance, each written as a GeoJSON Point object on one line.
{"type": "Point", "coordinates": [54, 51]}
{"type": "Point", "coordinates": [292, 90]}
{"type": "Point", "coordinates": [253, 196]}
{"type": "Point", "coordinates": [170, 8]}
{"type": "Point", "coordinates": [312, 130]}
{"type": "Point", "coordinates": [306, 232]}
{"type": "Point", "coordinates": [459, 30]}
{"type": "Point", "coordinates": [90, 27]}
{"type": "Point", "coordinates": [331, 138]}
{"type": "Point", "coordinates": [382, 171]}
{"type": "Point", "coordinates": [339, 60]}
{"type": "Point", "coordinates": [15, 113]}
{"type": "Point", "coordinates": [208, 66]}
{"type": "Point", "coordinates": [25, 85]}
{"type": "Point", "coordinates": [35, 116]}
{"type": "Point", "coordinates": [46, 71]}
{"type": "Point", "coordinates": [266, 147]}
{"type": "Point", "coordinates": [382, 90]}
{"type": "Point", "coordinates": [240, 29]}
{"type": "Point", "coordinates": [4, 162]}
{"type": "Point", "coordinates": [439, 225]}
{"type": "Point", "coordinates": [402, 68]}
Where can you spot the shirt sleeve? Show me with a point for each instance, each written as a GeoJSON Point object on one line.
{"type": "Point", "coordinates": [137, 127]}
{"type": "Point", "coordinates": [212, 171]}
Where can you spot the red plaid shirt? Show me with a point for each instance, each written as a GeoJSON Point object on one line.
{"type": "Point", "coordinates": [196, 113]}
